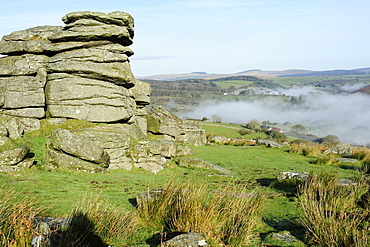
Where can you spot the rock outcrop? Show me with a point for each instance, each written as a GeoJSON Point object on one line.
{"type": "Point", "coordinates": [82, 71]}
{"type": "Point", "coordinates": [79, 71]}
{"type": "Point", "coordinates": [162, 122]}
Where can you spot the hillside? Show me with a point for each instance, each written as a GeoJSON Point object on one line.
{"type": "Point", "coordinates": [258, 73]}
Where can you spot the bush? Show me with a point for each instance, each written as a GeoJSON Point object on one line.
{"type": "Point", "coordinates": [220, 217]}
{"type": "Point", "coordinates": [330, 213]}
{"type": "Point", "coordinates": [276, 135]}
{"type": "Point", "coordinates": [243, 132]}
{"type": "Point", "coordinates": [254, 125]}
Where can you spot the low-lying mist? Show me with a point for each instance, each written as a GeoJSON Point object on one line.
{"type": "Point", "coordinates": [344, 115]}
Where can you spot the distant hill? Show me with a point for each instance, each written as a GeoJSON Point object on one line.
{"type": "Point", "coordinates": [258, 73]}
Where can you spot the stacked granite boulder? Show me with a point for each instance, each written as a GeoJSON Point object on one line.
{"type": "Point", "coordinates": [82, 71]}
{"type": "Point", "coordinates": [79, 71]}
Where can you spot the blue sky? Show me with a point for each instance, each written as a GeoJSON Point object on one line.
{"type": "Point", "coordinates": [223, 36]}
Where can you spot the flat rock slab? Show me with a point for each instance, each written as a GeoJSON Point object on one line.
{"type": "Point", "coordinates": [14, 156]}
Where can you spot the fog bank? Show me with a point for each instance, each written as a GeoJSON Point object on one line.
{"type": "Point", "coordinates": [344, 115]}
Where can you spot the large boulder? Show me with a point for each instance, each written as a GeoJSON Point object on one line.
{"type": "Point", "coordinates": [161, 121]}
{"type": "Point", "coordinates": [77, 146]}
{"type": "Point", "coordinates": [65, 161]}
{"type": "Point", "coordinates": [14, 156]}
{"type": "Point", "coordinates": [87, 99]}
{"type": "Point", "coordinates": [117, 27]}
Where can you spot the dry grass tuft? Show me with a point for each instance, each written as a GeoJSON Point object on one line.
{"type": "Point", "coordinates": [222, 218]}
{"type": "Point", "coordinates": [17, 217]}
{"type": "Point", "coordinates": [331, 214]}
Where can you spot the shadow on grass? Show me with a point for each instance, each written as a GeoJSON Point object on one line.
{"type": "Point", "coordinates": [290, 225]}
{"type": "Point", "coordinates": [265, 181]}
{"type": "Point", "coordinates": [80, 233]}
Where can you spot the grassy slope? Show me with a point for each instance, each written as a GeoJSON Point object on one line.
{"type": "Point", "coordinates": [254, 168]}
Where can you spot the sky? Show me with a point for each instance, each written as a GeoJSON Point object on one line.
{"type": "Point", "coordinates": [223, 36]}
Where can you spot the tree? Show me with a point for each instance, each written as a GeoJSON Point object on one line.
{"type": "Point", "coordinates": [254, 125]}
{"type": "Point", "coordinates": [299, 128]}
{"type": "Point", "coordinates": [216, 118]}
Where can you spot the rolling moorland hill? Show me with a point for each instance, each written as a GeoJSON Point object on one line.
{"type": "Point", "coordinates": [259, 73]}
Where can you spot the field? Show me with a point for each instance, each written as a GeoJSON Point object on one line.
{"type": "Point", "coordinates": [253, 170]}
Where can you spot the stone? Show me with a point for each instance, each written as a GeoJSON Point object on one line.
{"type": "Point", "coordinates": [343, 149]}
{"type": "Point", "coordinates": [116, 72]}
{"type": "Point", "coordinates": [82, 148]}
{"type": "Point", "coordinates": [3, 130]}
{"type": "Point", "coordinates": [192, 133]}
{"type": "Point", "coordinates": [153, 164]}
{"type": "Point", "coordinates": [36, 112]}
{"type": "Point", "coordinates": [141, 92]}
{"type": "Point", "coordinates": [269, 143]}
{"type": "Point", "coordinates": [15, 130]}
{"type": "Point", "coordinates": [163, 148]}
{"type": "Point", "coordinates": [65, 161]}
{"type": "Point", "coordinates": [26, 163]}
{"type": "Point", "coordinates": [199, 163]}
{"type": "Point", "coordinates": [293, 175]}
{"type": "Point", "coordinates": [3, 140]}
{"type": "Point", "coordinates": [33, 40]}
{"type": "Point", "coordinates": [87, 99]}
{"type": "Point", "coordinates": [14, 156]}
{"type": "Point", "coordinates": [57, 121]}
{"type": "Point", "coordinates": [218, 139]}
{"type": "Point", "coordinates": [184, 150]}
{"type": "Point", "coordinates": [117, 27]}
{"type": "Point", "coordinates": [8, 169]}
{"type": "Point", "coordinates": [22, 92]}
{"type": "Point", "coordinates": [92, 54]}
{"type": "Point", "coordinates": [190, 239]}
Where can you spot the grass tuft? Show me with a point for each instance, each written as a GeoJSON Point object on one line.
{"type": "Point", "coordinates": [221, 217]}
{"type": "Point", "coordinates": [330, 212]}
{"type": "Point", "coordinates": [16, 225]}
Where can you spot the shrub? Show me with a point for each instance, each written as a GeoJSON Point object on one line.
{"type": "Point", "coordinates": [330, 213]}
{"type": "Point", "coordinates": [220, 217]}
{"type": "Point", "coordinates": [243, 132]}
{"type": "Point", "coordinates": [253, 125]}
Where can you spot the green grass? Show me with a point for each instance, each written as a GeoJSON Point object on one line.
{"type": "Point", "coordinates": [229, 130]}
{"type": "Point", "coordinates": [253, 169]}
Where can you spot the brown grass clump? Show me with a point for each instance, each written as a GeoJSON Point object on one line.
{"type": "Point", "coordinates": [94, 220]}
{"type": "Point", "coordinates": [17, 217]}
{"type": "Point", "coordinates": [221, 218]}
{"type": "Point", "coordinates": [331, 214]}
{"type": "Point", "coordinates": [306, 149]}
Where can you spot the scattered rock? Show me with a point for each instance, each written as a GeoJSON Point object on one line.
{"type": "Point", "coordinates": [218, 139]}
{"type": "Point", "coordinates": [190, 239]}
{"type": "Point", "coordinates": [343, 149]}
{"type": "Point", "coordinates": [293, 175]}
{"type": "Point", "coordinates": [269, 143]}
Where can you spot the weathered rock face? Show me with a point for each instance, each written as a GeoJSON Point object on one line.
{"type": "Point", "coordinates": [82, 71]}
{"type": "Point", "coordinates": [67, 150]}
{"type": "Point", "coordinates": [79, 71]}
{"type": "Point", "coordinates": [161, 121]}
